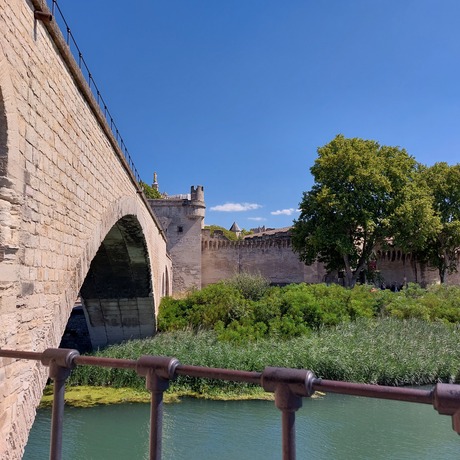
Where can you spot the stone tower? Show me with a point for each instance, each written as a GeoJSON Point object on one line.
{"type": "Point", "coordinates": [182, 218]}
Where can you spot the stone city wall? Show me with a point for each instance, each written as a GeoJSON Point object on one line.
{"type": "Point", "coordinates": [397, 268]}
{"type": "Point", "coordinates": [268, 255]}
{"type": "Point", "coordinates": [271, 255]}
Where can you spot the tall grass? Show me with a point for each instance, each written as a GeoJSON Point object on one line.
{"type": "Point", "coordinates": [385, 351]}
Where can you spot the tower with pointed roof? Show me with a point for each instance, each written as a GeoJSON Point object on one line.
{"type": "Point", "coordinates": [235, 229]}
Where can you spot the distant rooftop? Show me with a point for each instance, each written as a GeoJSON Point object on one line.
{"type": "Point", "coordinates": [235, 228]}
{"type": "Point", "coordinates": [260, 231]}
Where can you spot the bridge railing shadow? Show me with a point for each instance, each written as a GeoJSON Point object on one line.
{"type": "Point", "coordinates": [83, 66]}
{"type": "Point", "coordinates": [289, 386]}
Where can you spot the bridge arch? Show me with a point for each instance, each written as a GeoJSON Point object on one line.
{"type": "Point", "coordinates": [117, 294]}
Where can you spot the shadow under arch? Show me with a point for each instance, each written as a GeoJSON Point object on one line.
{"type": "Point", "coordinates": [3, 136]}
{"type": "Point", "coordinates": [117, 295]}
{"type": "Point", "coordinates": [11, 175]}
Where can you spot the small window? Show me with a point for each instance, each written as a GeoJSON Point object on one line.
{"type": "Point", "coordinates": [180, 229]}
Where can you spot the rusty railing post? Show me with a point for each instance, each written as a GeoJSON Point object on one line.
{"type": "Point", "coordinates": [289, 386]}
{"type": "Point", "coordinates": [60, 362]}
{"type": "Point", "coordinates": [446, 400]}
{"type": "Point", "coordinates": [158, 371]}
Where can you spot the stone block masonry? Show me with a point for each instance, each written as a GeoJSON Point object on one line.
{"type": "Point", "coordinates": [269, 254]}
{"type": "Point", "coordinates": [64, 184]}
{"type": "Point", "coordinates": [182, 217]}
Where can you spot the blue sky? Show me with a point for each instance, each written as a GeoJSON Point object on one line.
{"type": "Point", "coordinates": [237, 95]}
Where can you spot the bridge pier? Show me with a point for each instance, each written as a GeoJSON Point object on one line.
{"type": "Point", "coordinates": [116, 320]}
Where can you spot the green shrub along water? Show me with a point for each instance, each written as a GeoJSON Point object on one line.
{"type": "Point", "coordinates": [246, 308]}
{"type": "Point", "coordinates": [362, 334]}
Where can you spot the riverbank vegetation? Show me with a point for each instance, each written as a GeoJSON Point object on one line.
{"type": "Point", "coordinates": [245, 308]}
{"type": "Point", "coordinates": [362, 335]}
{"type": "Point", "coordinates": [386, 351]}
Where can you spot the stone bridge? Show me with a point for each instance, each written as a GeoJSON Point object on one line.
{"type": "Point", "coordinates": [73, 219]}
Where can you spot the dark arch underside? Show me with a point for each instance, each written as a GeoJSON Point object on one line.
{"type": "Point", "coordinates": [121, 267]}
{"type": "Point", "coordinates": [117, 292]}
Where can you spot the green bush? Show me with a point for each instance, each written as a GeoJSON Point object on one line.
{"type": "Point", "coordinates": [250, 286]}
{"type": "Point", "coordinates": [246, 308]}
{"type": "Point", "coordinates": [437, 303]}
{"type": "Point", "coordinates": [203, 309]}
{"type": "Point", "coordinates": [173, 314]}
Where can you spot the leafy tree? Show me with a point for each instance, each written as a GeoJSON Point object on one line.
{"type": "Point", "coordinates": [415, 222]}
{"type": "Point", "coordinates": [348, 212]}
{"type": "Point", "coordinates": [150, 192]}
{"type": "Point", "coordinates": [443, 249]}
{"type": "Point", "coordinates": [227, 233]}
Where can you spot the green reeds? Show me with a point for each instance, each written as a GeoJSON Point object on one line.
{"type": "Point", "coordinates": [385, 351]}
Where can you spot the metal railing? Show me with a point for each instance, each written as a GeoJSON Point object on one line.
{"type": "Point", "coordinates": [87, 75]}
{"type": "Point", "coordinates": [290, 386]}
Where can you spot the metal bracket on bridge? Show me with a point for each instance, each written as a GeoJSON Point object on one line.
{"type": "Point", "coordinates": [158, 371]}
{"type": "Point", "coordinates": [59, 358]}
{"type": "Point", "coordinates": [289, 386]}
{"type": "Point", "coordinates": [446, 400]}
{"type": "Point", "coordinates": [42, 16]}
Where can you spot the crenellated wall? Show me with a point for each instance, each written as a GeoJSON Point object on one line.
{"type": "Point", "coordinates": [269, 254]}
{"type": "Point", "coordinates": [397, 268]}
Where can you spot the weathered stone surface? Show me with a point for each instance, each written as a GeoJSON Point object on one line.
{"type": "Point", "coordinates": [182, 217]}
{"type": "Point", "coordinates": [64, 187]}
{"type": "Point", "coordinates": [270, 254]}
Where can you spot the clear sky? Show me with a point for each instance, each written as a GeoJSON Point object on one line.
{"type": "Point", "coordinates": [237, 95]}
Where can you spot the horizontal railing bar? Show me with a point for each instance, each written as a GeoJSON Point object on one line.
{"type": "Point", "coordinates": [106, 362]}
{"type": "Point", "coordinates": [332, 386]}
{"type": "Point", "coordinates": [21, 354]}
{"type": "Point", "coordinates": [219, 374]}
{"type": "Point", "coordinates": [374, 391]}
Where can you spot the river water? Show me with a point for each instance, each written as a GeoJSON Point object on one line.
{"type": "Point", "coordinates": [330, 427]}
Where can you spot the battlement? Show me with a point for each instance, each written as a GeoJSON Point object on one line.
{"type": "Point", "coordinates": [197, 193]}
{"type": "Point", "coordinates": [276, 239]}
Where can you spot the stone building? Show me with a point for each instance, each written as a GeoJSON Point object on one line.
{"type": "Point", "coordinates": [182, 218]}
{"type": "Point", "coordinates": [201, 257]}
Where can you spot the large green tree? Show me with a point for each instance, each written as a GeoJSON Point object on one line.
{"type": "Point", "coordinates": [358, 187]}
{"type": "Point", "coordinates": [442, 250]}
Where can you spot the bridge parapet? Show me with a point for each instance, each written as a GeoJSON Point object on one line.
{"type": "Point", "coordinates": [64, 185]}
